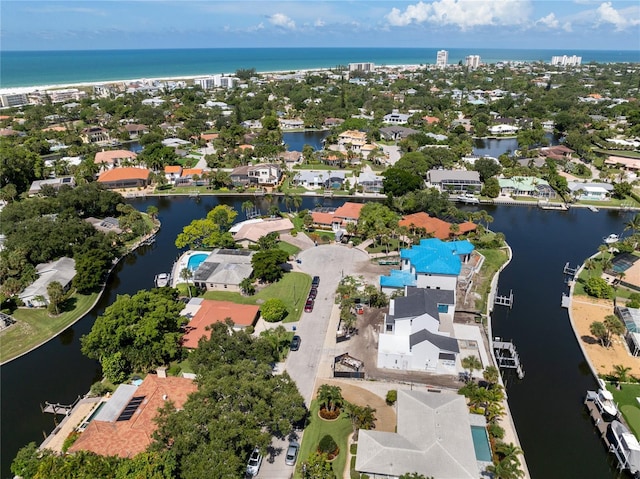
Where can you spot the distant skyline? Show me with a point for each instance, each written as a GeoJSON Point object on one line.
{"type": "Point", "coordinates": [561, 25]}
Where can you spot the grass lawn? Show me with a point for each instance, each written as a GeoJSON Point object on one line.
{"type": "Point", "coordinates": [628, 405]}
{"type": "Point", "coordinates": [292, 289]}
{"type": "Point", "coordinates": [493, 260]}
{"type": "Point", "coordinates": [291, 250]}
{"type": "Point", "coordinates": [317, 429]}
{"type": "Point", "coordinates": [34, 325]}
{"type": "Point", "coordinates": [392, 245]}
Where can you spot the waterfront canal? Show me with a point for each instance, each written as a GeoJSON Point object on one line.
{"type": "Point", "coordinates": [556, 434]}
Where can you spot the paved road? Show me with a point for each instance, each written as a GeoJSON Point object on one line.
{"type": "Point", "coordinates": [329, 262]}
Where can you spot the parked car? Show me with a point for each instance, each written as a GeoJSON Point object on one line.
{"type": "Point", "coordinates": [313, 293]}
{"type": "Point", "coordinates": [359, 309]}
{"type": "Point", "coordinates": [315, 281]}
{"type": "Point", "coordinates": [292, 454]}
{"type": "Point", "coordinates": [308, 307]}
{"type": "Point", "coordinates": [255, 461]}
{"type": "Point", "coordinates": [295, 343]}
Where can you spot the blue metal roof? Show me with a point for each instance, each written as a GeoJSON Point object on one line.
{"type": "Point", "coordinates": [398, 279]}
{"type": "Point", "coordinates": [435, 256]}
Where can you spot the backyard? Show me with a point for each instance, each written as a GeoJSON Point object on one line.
{"type": "Point", "coordinates": [627, 398]}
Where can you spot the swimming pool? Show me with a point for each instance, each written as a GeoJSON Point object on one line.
{"type": "Point", "coordinates": [481, 443]}
{"type": "Point", "coordinates": [196, 260]}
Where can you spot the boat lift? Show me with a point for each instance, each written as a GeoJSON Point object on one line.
{"type": "Point", "coordinates": [507, 356]}
{"type": "Point", "coordinates": [505, 300]}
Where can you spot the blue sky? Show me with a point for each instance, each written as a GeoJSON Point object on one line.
{"type": "Point", "coordinates": [142, 24]}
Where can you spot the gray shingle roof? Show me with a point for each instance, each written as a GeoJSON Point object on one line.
{"type": "Point", "coordinates": [444, 343]}
{"type": "Point", "coordinates": [420, 301]}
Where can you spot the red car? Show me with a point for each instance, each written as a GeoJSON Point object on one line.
{"type": "Point", "coordinates": [308, 307]}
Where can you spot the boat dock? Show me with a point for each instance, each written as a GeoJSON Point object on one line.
{"type": "Point", "coordinates": [57, 408]}
{"type": "Point", "coordinates": [507, 356]}
{"type": "Point", "coordinates": [596, 415]}
{"type": "Point", "coordinates": [505, 300]}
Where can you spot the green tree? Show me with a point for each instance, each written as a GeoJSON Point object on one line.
{"type": "Point", "coordinates": [598, 288]}
{"type": "Point", "coordinates": [267, 264]}
{"type": "Point", "coordinates": [397, 181]}
{"type": "Point", "coordinates": [273, 310]}
{"type": "Point", "coordinates": [211, 231]}
{"type": "Point", "coordinates": [115, 368]}
{"type": "Point", "coordinates": [329, 397]}
{"type": "Point", "coordinates": [599, 330]}
{"type": "Point", "coordinates": [491, 188]}
{"type": "Point", "coordinates": [187, 275]}
{"type": "Point", "coordinates": [57, 296]}
{"type": "Point", "coordinates": [317, 467]}
{"type": "Point", "coordinates": [472, 363]}
{"type": "Point", "coordinates": [362, 417]}
{"type": "Point", "coordinates": [247, 286]}
{"type": "Point", "coordinates": [491, 374]}
{"type": "Point", "coordinates": [487, 168]}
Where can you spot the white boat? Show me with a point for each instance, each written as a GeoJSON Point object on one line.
{"type": "Point", "coordinates": [593, 208]}
{"type": "Point", "coordinates": [468, 199]}
{"type": "Point", "coordinates": [611, 239]}
{"type": "Point", "coordinates": [626, 448]}
{"type": "Point", "coordinates": [604, 400]}
{"type": "Point", "coordinates": [162, 279]}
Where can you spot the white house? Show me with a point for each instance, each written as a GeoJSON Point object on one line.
{"type": "Point", "coordinates": [62, 270]}
{"type": "Point", "coordinates": [396, 118]}
{"type": "Point", "coordinates": [503, 129]}
{"type": "Point", "coordinates": [590, 191]}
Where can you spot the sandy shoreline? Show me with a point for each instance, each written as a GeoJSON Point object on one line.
{"type": "Point", "coordinates": [30, 89]}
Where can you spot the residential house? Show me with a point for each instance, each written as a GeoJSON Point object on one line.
{"type": "Point", "coordinates": [136, 130]}
{"type": "Point", "coordinates": [189, 177]}
{"type": "Point", "coordinates": [203, 313]}
{"type": "Point", "coordinates": [436, 227]}
{"type": "Point", "coordinates": [503, 129]}
{"type": "Point", "coordinates": [172, 172]}
{"type": "Point", "coordinates": [352, 140]}
{"type": "Point", "coordinates": [432, 264]}
{"type": "Point", "coordinates": [124, 425]}
{"type": "Point", "coordinates": [629, 164]}
{"type": "Point", "coordinates": [61, 270]}
{"type": "Point", "coordinates": [105, 225]}
{"type": "Point", "coordinates": [291, 158]}
{"type": "Point", "coordinates": [395, 133]}
{"type": "Point", "coordinates": [291, 124]}
{"type": "Point", "coordinates": [558, 152]}
{"type": "Point", "coordinates": [95, 134]}
{"type": "Point", "coordinates": [590, 191]}
{"type": "Point", "coordinates": [125, 178]}
{"type": "Point", "coordinates": [526, 186]}
{"type": "Point", "coordinates": [433, 438]}
{"type": "Point", "coordinates": [396, 118]}
{"type": "Point", "coordinates": [265, 174]}
{"type": "Point", "coordinates": [55, 183]}
{"type": "Point", "coordinates": [417, 333]}
{"type": "Point", "coordinates": [455, 181]}
{"type": "Point", "coordinates": [224, 269]}
{"type": "Point", "coordinates": [114, 158]}
{"type": "Point", "coordinates": [331, 122]}
{"type": "Point", "coordinates": [314, 179]}
{"type": "Point", "coordinates": [249, 232]}
{"type": "Point", "coordinates": [370, 182]}
{"type": "Point", "coordinates": [338, 219]}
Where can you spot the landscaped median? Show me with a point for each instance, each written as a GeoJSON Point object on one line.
{"type": "Point", "coordinates": [35, 326]}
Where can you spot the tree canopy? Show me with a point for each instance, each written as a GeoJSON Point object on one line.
{"type": "Point", "coordinates": [211, 231]}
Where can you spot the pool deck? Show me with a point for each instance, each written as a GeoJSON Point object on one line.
{"type": "Point", "coordinates": [56, 439]}
{"type": "Point", "coordinates": [182, 263]}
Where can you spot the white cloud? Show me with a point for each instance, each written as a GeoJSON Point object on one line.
{"type": "Point", "coordinates": [550, 21]}
{"type": "Point", "coordinates": [463, 14]}
{"type": "Point", "coordinates": [318, 23]}
{"type": "Point", "coordinates": [621, 19]}
{"type": "Point", "coordinates": [281, 20]}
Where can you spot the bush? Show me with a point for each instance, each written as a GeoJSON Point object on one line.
{"type": "Point", "coordinates": [100, 389]}
{"type": "Point", "coordinates": [353, 449]}
{"type": "Point", "coordinates": [328, 446]}
{"type": "Point", "coordinates": [68, 442]}
{"type": "Point", "coordinates": [273, 310]}
{"type": "Point", "coordinates": [495, 431]}
{"type": "Point", "coordinates": [598, 288]}
{"type": "Point", "coordinates": [392, 397]}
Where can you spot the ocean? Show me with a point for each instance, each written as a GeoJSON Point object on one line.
{"type": "Point", "coordinates": [39, 68]}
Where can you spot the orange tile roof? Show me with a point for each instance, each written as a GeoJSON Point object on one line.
{"type": "Point", "coordinates": [54, 128]}
{"type": "Point", "coordinates": [209, 136]}
{"type": "Point", "coordinates": [211, 312]}
{"type": "Point", "coordinates": [118, 174]}
{"type": "Point", "coordinates": [322, 218]}
{"type": "Point", "coordinates": [128, 438]}
{"type": "Point", "coordinates": [349, 210]}
{"type": "Point", "coordinates": [111, 155]}
{"type": "Point", "coordinates": [191, 171]}
{"type": "Point", "coordinates": [4, 117]}
{"type": "Point", "coordinates": [431, 119]}
{"type": "Point", "coordinates": [245, 147]}
{"type": "Point", "coordinates": [172, 169]}
{"type": "Point", "coordinates": [434, 226]}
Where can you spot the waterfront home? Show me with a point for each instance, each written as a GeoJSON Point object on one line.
{"type": "Point", "coordinates": [95, 134]}
{"type": "Point", "coordinates": [61, 270]}
{"type": "Point", "coordinates": [55, 183]}
{"type": "Point", "coordinates": [291, 158]}
{"type": "Point", "coordinates": [124, 425]}
{"type": "Point", "coordinates": [395, 133]}
{"type": "Point", "coordinates": [314, 179]}
{"type": "Point", "coordinates": [352, 140]}
{"type": "Point", "coordinates": [172, 173]}
{"type": "Point", "coordinates": [114, 158]}
{"type": "Point", "coordinates": [249, 232]}
{"type": "Point", "coordinates": [189, 177]}
{"type": "Point", "coordinates": [454, 181]}
{"type": "Point", "coordinates": [434, 226]}
{"type": "Point", "coordinates": [526, 186]}
{"type": "Point", "coordinates": [264, 174]}
{"type": "Point", "coordinates": [291, 124]}
{"type": "Point", "coordinates": [135, 130]}
{"type": "Point", "coordinates": [338, 219]}
{"type": "Point", "coordinates": [503, 129]}
{"type": "Point", "coordinates": [105, 225]}
{"type": "Point", "coordinates": [558, 152]}
{"type": "Point", "coordinates": [590, 191]}
{"type": "Point", "coordinates": [203, 313]}
{"type": "Point", "coordinates": [417, 334]}
{"type": "Point", "coordinates": [125, 178]}
{"type": "Point", "coordinates": [629, 164]}
{"type": "Point", "coordinates": [224, 269]}
{"type": "Point", "coordinates": [370, 182]}
{"type": "Point", "coordinates": [433, 438]}
{"type": "Point", "coordinates": [631, 319]}
{"type": "Point", "coordinates": [430, 264]}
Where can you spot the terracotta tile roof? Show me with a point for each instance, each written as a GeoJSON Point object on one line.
{"type": "Point", "coordinates": [211, 312]}
{"type": "Point", "coordinates": [349, 210]}
{"type": "Point", "coordinates": [4, 117]}
{"type": "Point", "coordinates": [434, 226]}
{"type": "Point", "coordinates": [245, 147]}
{"type": "Point", "coordinates": [191, 172]}
{"type": "Point", "coordinates": [54, 128]}
{"type": "Point", "coordinates": [118, 174]}
{"type": "Point", "coordinates": [209, 136]}
{"type": "Point", "coordinates": [128, 438]}
{"type": "Point", "coordinates": [173, 169]}
{"type": "Point", "coordinates": [111, 155]}
{"type": "Point", "coordinates": [431, 119]}
{"type": "Point", "coordinates": [322, 218]}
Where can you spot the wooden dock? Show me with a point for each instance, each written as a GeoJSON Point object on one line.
{"type": "Point", "coordinates": [507, 356]}
{"type": "Point", "coordinates": [59, 409]}
{"type": "Point", "coordinates": [505, 300]}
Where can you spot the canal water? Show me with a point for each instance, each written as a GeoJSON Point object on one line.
{"type": "Point", "coordinates": [556, 434]}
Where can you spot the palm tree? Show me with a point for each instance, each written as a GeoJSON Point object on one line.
{"type": "Point", "coordinates": [614, 327]}
{"type": "Point", "coordinates": [621, 371]}
{"type": "Point", "coordinates": [491, 374]}
{"type": "Point", "coordinates": [187, 274]}
{"type": "Point", "coordinates": [362, 417]}
{"type": "Point", "coordinates": [247, 207]}
{"type": "Point", "coordinates": [472, 363]}
{"type": "Point", "coordinates": [329, 397]}
{"type": "Point", "coordinates": [633, 224]}
{"type": "Point", "coordinates": [599, 330]}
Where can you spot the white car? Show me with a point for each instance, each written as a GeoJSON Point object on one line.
{"type": "Point", "coordinates": [255, 461]}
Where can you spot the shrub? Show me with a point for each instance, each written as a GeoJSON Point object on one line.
{"type": "Point", "coordinates": [353, 449]}
{"type": "Point", "coordinates": [495, 431]}
{"type": "Point", "coordinates": [68, 442]}
{"type": "Point", "coordinates": [328, 446]}
{"type": "Point", "coordinates": [598, 287]}
{"type": "Point", "coordinates": [100, 389]}
{"type": "Point", "coordinates": [273, 310]}
{"type": "Point", "coordinates": [392, 397]}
